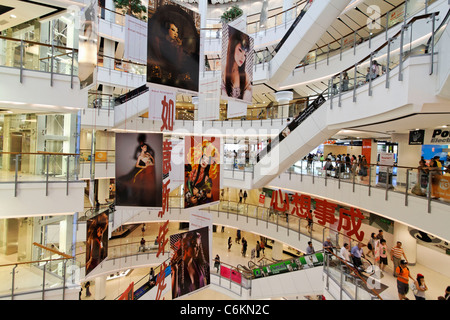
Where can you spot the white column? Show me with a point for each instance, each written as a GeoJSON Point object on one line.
{"type": "Point", "coordinates": [100, 288]}
{"type": "Point", "coordinates": [66, 235]}
{"type": "Point", "coordinates": [195, 103]}
{"type": "Point", "coordinates": [408, 155]}
{"type": "Point", "coordinates": [283, 98]}
{"type": "Point", "coordinates": [409, 243]}
{"type": "Point", "coordinates": [277, 250]}
{"type": "Point", "coordinates": [103, 190]}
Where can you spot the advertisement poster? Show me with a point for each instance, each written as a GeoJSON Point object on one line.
{"type": "Point", "coordinates": [173, 45]}
{"type": "Point", "coordinates": [96, 241]}
{"type": "Point", "coordinates": [189, 261]}
{"type": "Point", "coordinates": [201, 170]}
{"type": "Point", "coordinates": [237, 65]}
{"type": "Point", "coordinates": [139, 160]}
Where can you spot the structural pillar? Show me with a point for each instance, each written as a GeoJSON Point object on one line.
{"type": "Point", "coordinates": [283, 99]}
{"type": "Point", "coordinates": [277, 250]}
{"type": "Point", "coordinates": [195, 103]}
{"type": "Point", "coordinates": [100, 288]}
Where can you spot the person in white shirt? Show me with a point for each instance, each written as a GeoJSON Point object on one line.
{"type": "Point", "coordinates": [345, 254]}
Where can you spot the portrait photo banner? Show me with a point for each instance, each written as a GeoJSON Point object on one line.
{"type": "Point", "coordinates": [139, 158]}
{"type": "Point", "coordinates": [237, 65]}
{"type": "Point", "coordinates": [173, 45]}
{"type": "Point", "coordinates": [201, 170]}
{"type": "Point", "coordinates": [189, 262]}
{"type": "Point", "coordinates": [96, 241]}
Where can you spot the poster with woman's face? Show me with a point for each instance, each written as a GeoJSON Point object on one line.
{"type": "Point", "coordinates": [237, 64]}
{"type": "Point", "coordinates": [201, 170]}
{"type": "Point", "coordinates": [189, 261]}
{"type": "Point", "coordinates": [96, 241]}
{"type": "Point", "coordinates": [139, 159]}
{"type": "Point", "coordinates": [173, 46]}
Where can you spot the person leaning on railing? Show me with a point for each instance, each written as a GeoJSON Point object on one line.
{"type": "Point", "coordinates": [422, 178]}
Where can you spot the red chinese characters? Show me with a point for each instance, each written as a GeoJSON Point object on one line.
{"type": "Point", "coordinates": [162, 241]}
{"type": "Point", "coordinates": [160, 281]}
{"type": "Point", "coordinates": [349, 220]}
{"type": "Point", "coordinates": [167, 114]}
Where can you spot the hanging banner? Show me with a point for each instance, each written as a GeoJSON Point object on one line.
{"type": "Point", "coordinates": [139, 158]}
{"type": "Point", "coordinates": [236, 109]}
{"type": "Point", "coordinates": [173, 45]}
{"type": "Point", "coordinates": [96, 241]}
{"type": "Point", "coordinates": [237, 64]}
{"type": "Point", "coordinates": [135, 38]}
{"type": "Point", "coordinates": [209, 97]}
{"type": "Point", "coordinates": [202, 170]}
{"type": "Point", "coordinates": [162, 106]}
{"type": "Point", "coordinates": [189, 261]}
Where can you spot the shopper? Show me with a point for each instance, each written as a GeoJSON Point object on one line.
{"type": "Point", "coordinates": [151, 276]}
{"type": "Point", "coordinates": [263, 246]}
{"type": "Point", "coordinates": [310, 248]}
{"type": "Point", "coordinates": [396, 255]}
{"type": "Point", "coordinates": [229, 244]}
{"type": "Point", "coordinates": [87, 286]}
{"type": "Point", "coordinates": [245, 196]}
{"type": "Point", "coordinates": [371, 245]}
{"type": "Point", "coordinates": [356, 254]}
{"type": "Point", "coordinates": [241, 195]}
{"type": "Point", "coordinates": [258, 249]}
{"type": "Point", "coordinates": [403, 275]}
{"type": "Point", "coordinates": [345, 254]}
{"type": "Point", "coordinates": [244, 247]}
{"type": "Point", "coordinates": [238, 236]}
{"type": "Point", "coordinates": [217, 262]}
{"type": "Point", "coordinates": [327, 245]}
{"type": "Point", "coordinates": [380, 235]}
{"type": "Point", "coordinates": [383, 254]}
{"type": "Point", "coordinates": [142, 246]}
{"type": "Point", "coordinates": [420, 287]}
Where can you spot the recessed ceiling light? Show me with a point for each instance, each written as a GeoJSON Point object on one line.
{"type": "Point", "coordinates": [13, 16]}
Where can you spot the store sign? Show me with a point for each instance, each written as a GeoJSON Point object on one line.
{"type": "Point", "coordinates": [437, 136]}
{"type": "Point", "coordinates": [262, 199]}
{"type": "Point", "coordinates": [416, 137]}
{"type": "Point", "coordinates": [349, 221]}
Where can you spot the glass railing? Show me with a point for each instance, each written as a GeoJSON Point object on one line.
{"type": "Point", "coordinates": [428, 183]}
{"type": "Point", "coordinates": [404, 44]}
{"type": "Point", "coordinates": [30, 55]}
{"type": "Point", "coordinates": [111, 16]}
{"type": "Point", "coordinates": [122, 65]}
{"type": "Point", "coordinates": [49, 276]}
{"type": "Point", "coordinates": [38, 167]}
{"type": "Point", "coordinates": [366, 33]}
{"type": "Point", "coordinates": [255, 25]}
{"type": "Point", "coordinates": [355, 284]}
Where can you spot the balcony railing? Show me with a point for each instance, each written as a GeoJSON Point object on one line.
{"type": "Point", "coordinates": [36, 56]}
{"type": "Point", "coordinates": [38, 167]}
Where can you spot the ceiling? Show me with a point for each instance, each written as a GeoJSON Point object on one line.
{"type": "Point", "coordinates": [21, 11]}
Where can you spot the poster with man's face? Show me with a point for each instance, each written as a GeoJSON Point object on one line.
{"type": "Point", "coordinates": [202, 170]}
{"type": "Point", "coordinates": [139, 159]}
{"type": "Point", "coordinates": [173, 46]}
